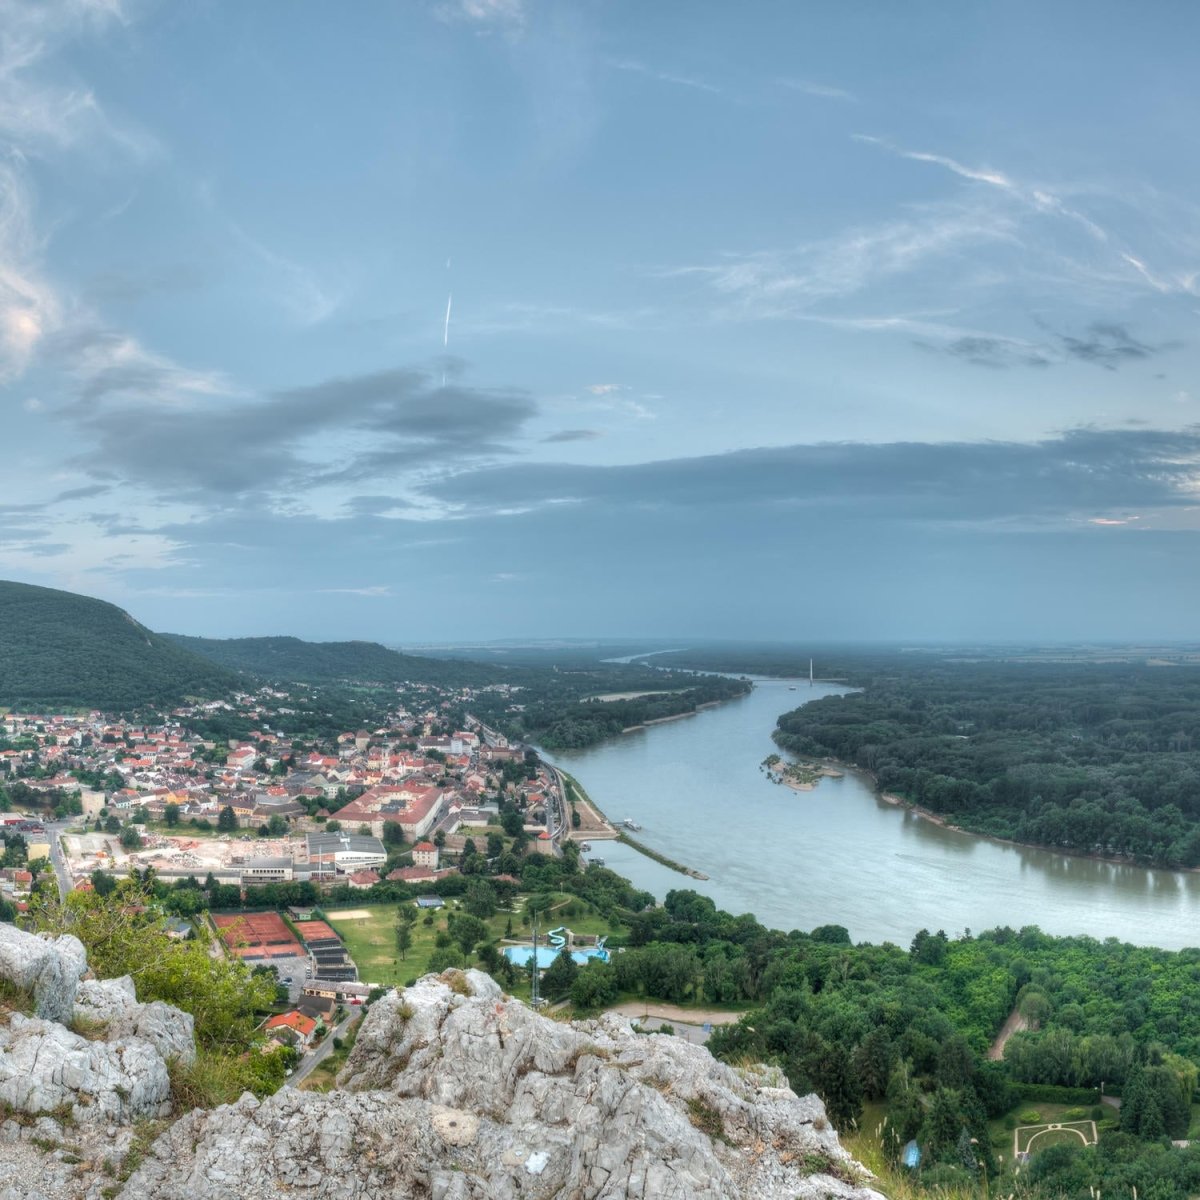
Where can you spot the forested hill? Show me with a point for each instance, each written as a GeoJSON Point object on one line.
{"type": "Point", "coordinates": [289, 658]}
{"type": "Point", "coordinates": [61, 650]}
{"type": "Point", "coordinates": [1093, 757]}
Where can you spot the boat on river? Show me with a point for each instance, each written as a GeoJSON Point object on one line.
{"type": "Point", "coordinates": [630, 823]}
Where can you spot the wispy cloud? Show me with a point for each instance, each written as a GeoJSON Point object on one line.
{"type": "Point", "coordinates": [375, 589]}
{"type": "Point", "coordinates": [299, 290]}
{"type": "Point", "coordinates": [483, 14]}
{"type": "Point", "coordinates": [781, 283]}
{"type": "Point", "coordinates": [573, 435]}
{"type": "Point", "coordinates": [29, 304]}
{"type": "Point", "coordinates": [809, 88]}
{"type": "Point", "coordinates": [1039, 198]}
{"type": "Point", "coordinates": [636, 67]}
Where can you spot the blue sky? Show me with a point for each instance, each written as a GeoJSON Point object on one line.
{"type": "Point", "coordinates": [788, 320]}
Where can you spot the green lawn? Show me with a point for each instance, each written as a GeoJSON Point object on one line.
{"type": "Point", "coordinates": [371, 940]}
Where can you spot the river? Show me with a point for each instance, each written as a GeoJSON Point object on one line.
{"type": "Point", "coordinates": [839, 855]}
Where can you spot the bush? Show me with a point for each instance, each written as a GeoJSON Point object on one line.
{"type": "Point", "coordinates": [1049, 1093]}
{"type": "Point", "coordinates": [1097, 1113]}
{"type": "Point", "coordinates": [1030, 1116]}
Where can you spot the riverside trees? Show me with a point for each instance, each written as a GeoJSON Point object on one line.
{"type": "Point", "coordinates": [1093, 757]}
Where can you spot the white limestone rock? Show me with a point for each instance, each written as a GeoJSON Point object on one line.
{"type": "Point", "coordinates": [48, 968]}
{"type": "Point", "coordinates": [45, 1068]}
{"type": "Point", "coordinates": [113, 1004]}
{"type": "Point", "coordinates": [457, 1093]}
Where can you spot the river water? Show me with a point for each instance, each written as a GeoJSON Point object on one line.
{"type": "Point", "coordinates": [839, 855]}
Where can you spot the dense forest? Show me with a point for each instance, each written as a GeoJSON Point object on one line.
{"type": "Point", "coordinates": [554, 715]}
{"type": "Point", "coordinates": [293, 660]}
{"type": "Point", "coordinates": [1093, 757]}
{"type": "Point", "coordinates": [60, 650]}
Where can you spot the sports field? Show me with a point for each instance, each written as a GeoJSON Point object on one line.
{"type": "Point", "coordinates": [1029, 1139]}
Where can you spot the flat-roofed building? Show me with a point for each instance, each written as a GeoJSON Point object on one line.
{"type": "Point", "coordinates": [344, 852]}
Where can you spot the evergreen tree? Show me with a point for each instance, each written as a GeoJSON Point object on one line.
{"type": "Point", "coordinates": [839, 1087]}
{"type": "Point", "coordinates": [560, 975]}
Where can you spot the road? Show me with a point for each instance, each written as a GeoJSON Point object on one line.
{"type": "Point", "coordinates": [310, 1062]}
{"type": "Point", "coordinates": [54, 830]}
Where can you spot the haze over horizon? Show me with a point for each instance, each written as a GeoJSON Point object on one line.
{"type": "Point", "coordinates": [477, 319]}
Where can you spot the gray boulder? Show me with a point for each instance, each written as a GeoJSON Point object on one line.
{"type": "Point", "coordinates": [47, 968]}
{"type": "Point", "coordinates": [456, 1092]}
{"type": "Point", "coordinates": [113, 1004]}
{"type": "Point", "coordinates": [45, 1068]}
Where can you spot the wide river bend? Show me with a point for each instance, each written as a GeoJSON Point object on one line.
{"type": "Point", "coordinates": [839, 855]}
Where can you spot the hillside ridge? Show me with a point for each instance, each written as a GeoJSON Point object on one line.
{"type": "Point", "coordinates": [63, 649]}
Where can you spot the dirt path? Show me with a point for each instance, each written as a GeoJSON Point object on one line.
{"type": "Point", "coordinates": [672, 1012]}
{"type": "Point", "coordinates": [1014, 1024]}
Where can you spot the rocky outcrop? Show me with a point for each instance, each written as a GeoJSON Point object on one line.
{"type": "Point", "coordinates": [91, 1052]}
{"type": "Point", "coordinates": [113, 1005]}
{"type": "Point", "coordinates": [48, 969]}
{"type": "Point", "coordinates": [453, 1091]}
{"type": "Point", "coordinates": [456, 1092]}
{"type": "Point", "coordinates": [45, 1068]}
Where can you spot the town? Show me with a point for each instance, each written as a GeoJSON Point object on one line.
{"type": "Point", "coordinates": [258, 837]}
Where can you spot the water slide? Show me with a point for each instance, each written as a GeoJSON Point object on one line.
{"type": "Point", "coordinates": [556, 938]}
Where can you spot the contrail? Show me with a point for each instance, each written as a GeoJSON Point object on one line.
{"type": "Point", "coordinates": [446, 330]}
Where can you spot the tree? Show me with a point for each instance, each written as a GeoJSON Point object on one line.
{"type": "Point", "coordinates": [277, 826]}
{"type": "Point", "coordinates": [404, 938]}
{"type": "Point", "coordinates": [103, 883]}
{"type": "Point", "coordinates": [840, 1089]}
{"type": "Point", "coordinates": [227, 819]}
{"type": "Point", "coordinates": [112, 824]}
{"type": "Point", "coordinates": [495, 845]}
{"type": "Point", "coordinates": [393, 834]}
{"type": "Point", "coordinates": [123, 936]}
{"type": "Point", "coordinates": [480, 899]}
{"type": "Point", "coordinates": [130, 838]}
{"type": "Point", "coordinates": [439, 838]}
{"type": "Point", "coordinates": [333, 826]}
{"type": "Point", "coordinates": [560, 975]}
{"type": "Point", "coordinates": [171, 815]}
{"type": "Point", "coordinates": [468, 932]}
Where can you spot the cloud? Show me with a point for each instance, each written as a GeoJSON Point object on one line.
{"type": "Point", "coordinates": [41, 117]}
{"type": "Point", "coordinates": [377, 589]}
{"type": "Point", "coordinates": [573, 435]}
{"type": "Point", "coordinates": [639, 68]}
{"type": "Point", "coordinates": [1078, 474]}
{"type": "Point", "coordinates": [603, 389]}
{"type": "Point", "coordinates": [989, 352]}
{"type": "Point", "coordinates": [344, 429]}
{"type": "Point", "coordinates": [1108, 345]}
{"type": "Point", "coordinates": [1104, 344]}
{"type": "Point", "coordinates": [823, 91]}
{"type": "Point", "coordinates": [1038, 198]}
{"type": "Point", "coordinates": [299, 291]}
{"type": "Point", "coordinates": [774, 283]}
{"type": "Point", "coordinates": [483, 14]}
{"type": "Point", "coordinates": [108, 363]}
{"type": "Point", "coordinates": [29, 305]}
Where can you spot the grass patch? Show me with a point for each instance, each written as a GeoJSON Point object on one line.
{"type": "Point", "coordinates": [371, 940]}
{"type": "Point", "coordinates": [706, 1119]}
{"type": "Point", "coordinates": [14, 999]}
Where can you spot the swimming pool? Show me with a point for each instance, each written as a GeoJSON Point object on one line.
{"type": "Point", "coordinates": [519, 956]}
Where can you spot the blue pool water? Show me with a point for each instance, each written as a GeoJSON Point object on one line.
{"type": "Point", "coordinates": [520, 955]}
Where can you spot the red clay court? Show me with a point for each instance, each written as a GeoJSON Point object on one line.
{"type": "Point", "coordinates": [315, 931]}
{"type": "Point", "coordinates": [257, 935]}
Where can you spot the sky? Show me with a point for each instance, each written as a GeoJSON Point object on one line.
{"type": "Point", "coordinates": [438, 320]}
